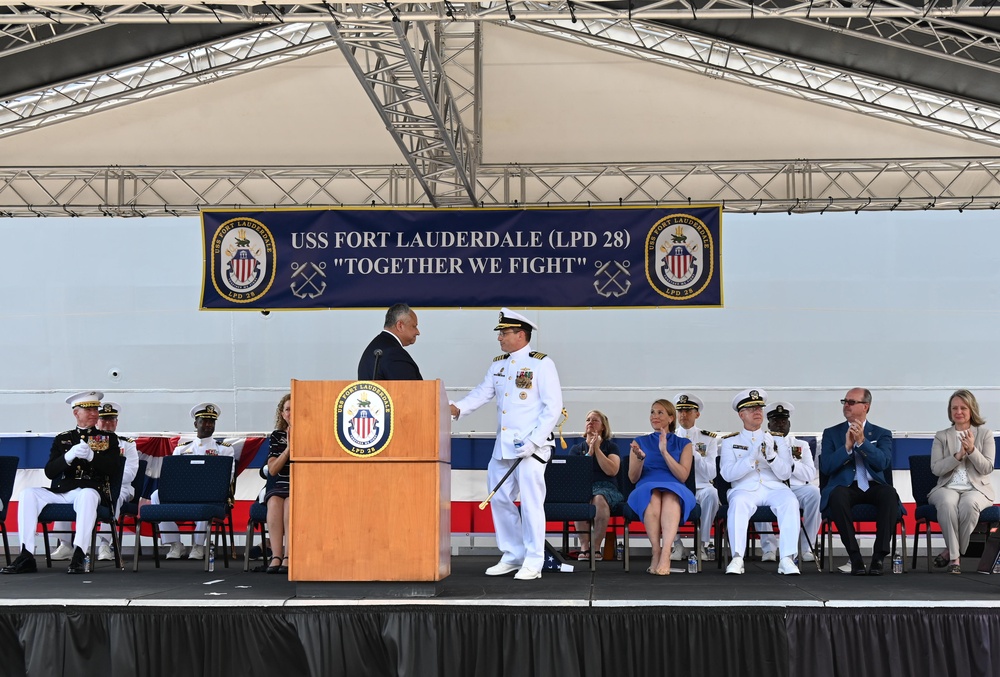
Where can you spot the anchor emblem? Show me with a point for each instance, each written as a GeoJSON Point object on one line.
{"type": "Point", "coordinates": [608, 285]}
{"type": "Point", "coordinates": [308, 272]}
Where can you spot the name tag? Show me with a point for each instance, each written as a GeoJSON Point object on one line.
{"type": "Point", "coordinates": [195, 461]}
{"type": "Point", "coordinates": [740, 446]}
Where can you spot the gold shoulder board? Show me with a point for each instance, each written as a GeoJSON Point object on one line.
{"type": "Point", "coordinates": [709, 433]}
{"type": "Point", "coordinates": [537, 355]}
{"type": "Point", "coordinates": [501, 357]}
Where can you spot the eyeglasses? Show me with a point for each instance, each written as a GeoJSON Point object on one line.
{"type": "Point", "coordinates": [505, 332]}
{"type": "Point", "coordinates": [851, 403]}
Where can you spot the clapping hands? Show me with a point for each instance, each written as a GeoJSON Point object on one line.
{"type": "Point", "coordinates": [639, 454]}
{"type": "Point", "coordinates": [79, 450]}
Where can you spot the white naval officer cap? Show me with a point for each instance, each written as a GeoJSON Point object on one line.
{"type": "Point", "coordinates": [779, 408]}
{"type": "Point", "coordinates": [687, 401]}
{"type": "Point", "coordinates": [109, 409]}
{"type": "Point", "coordinates": [89, 399]}
{"type": "Point", "coordinates": [205, 410]}
{"type": "Point", "coordinates": [511, 320]}
{"type": "Point", "coordinates": [752, 397]}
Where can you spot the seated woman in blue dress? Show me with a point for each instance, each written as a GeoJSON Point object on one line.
{"type": "Point", "coordinates": [659, 465]}
{"type": "Point", "coordinates": [606, 495]}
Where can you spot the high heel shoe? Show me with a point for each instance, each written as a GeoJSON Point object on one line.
{"type": "Point", "coordinates": [283, 569]}
{"type": "Point", "coordinates": [274, 568]}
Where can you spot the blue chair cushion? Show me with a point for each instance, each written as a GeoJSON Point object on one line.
{"type": "Point", "coordinates": [990, 514]}
{"type": "Point", "coordinates": [258, 512]}
{"type": "Point", "coordinates": [57, 512]}
{"type": "Point", "coordinates": [561, 512]}
{"type": "Point", "coordinates": [183, 512]}
{"type": "Point", "coordinates": [927, 512]}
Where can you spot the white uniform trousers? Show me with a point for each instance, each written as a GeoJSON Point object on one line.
{"type": "Point", "coordinates": [743, 504]}
{"type": "Point", "coordinates": [520, 535]}
{"type": "Point", "coordinates": [33, 499]}
{"type": "Point", "coordinates": [167, 539]}
{"type": "Point", "coordinates": [808, 497]}
{"type": "Point", "coordinates": [64, 527]}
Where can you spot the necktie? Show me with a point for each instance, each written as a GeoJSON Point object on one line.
{"type": "Point", "coordinates": [861, 471]}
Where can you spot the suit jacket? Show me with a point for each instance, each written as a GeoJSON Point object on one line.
{"type": "Point", "coordinates": [839, 467]}
{"type": "Point", "coordinates": [394, 365]}
{"type": "Point", "coordinates": [979, 463]}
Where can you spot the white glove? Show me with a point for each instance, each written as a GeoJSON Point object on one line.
{"type": "Point", "coordinates": [526, 450]}
{"type": "Point", "coordinates": [78, 450]}
{"type": "Point", "coordinates": [87, 454]}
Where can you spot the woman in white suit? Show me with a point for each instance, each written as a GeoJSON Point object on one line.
{"type": "Point", "coordinates": [962, 458]}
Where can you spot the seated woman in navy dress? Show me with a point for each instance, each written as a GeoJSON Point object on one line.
{"type": "Point", "coordinates": [606, 495]}
{"type": "Point", "coordinates": [659, 465]}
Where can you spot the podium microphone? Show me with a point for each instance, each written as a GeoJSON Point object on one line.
{"type": "Point", "coordinates": [378, 356]}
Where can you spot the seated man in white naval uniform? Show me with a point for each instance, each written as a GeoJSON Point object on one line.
{"type": "Point", "coordinates": [757, 469]}
{"type": "Point", "coordinates": [705, 445]}
{"type": "Point", "coordinates": [528, 396]}
{"type": "Point", "coordinates": [803, 483]}
{"type": "Point", "coordinates": [205, 416]}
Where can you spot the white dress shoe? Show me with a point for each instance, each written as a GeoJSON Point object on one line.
{"type": "Point", "coordinates": [787, 567]}
{"type": "Point", "coordinates": [63, 552]}
{"type": "Point", "coordinates": [197, 552]}
{"type": "Point", "coordinates": [844, 568]}
{"type": "Point", "coordinates": [105, 553]}
{"type": "Point", "coordinates": [677, 553]}
{"type": "Point", "coordinates": [176, 550]}
{"type": "Point", "coordinates": [527, 574]}
{"type": "Point", "coordinates": [769, 556]}
{"type": "Point", "coordinates": [736, 566]}
{"type": "Point", "coordinates": [807, 556]}
{"type": "Point", "coordinates": [501, 568]}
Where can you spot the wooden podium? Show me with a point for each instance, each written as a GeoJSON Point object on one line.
{"type": "Point", "coordinates": [365, 516]}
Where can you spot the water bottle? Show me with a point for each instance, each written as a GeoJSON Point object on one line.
{"type": "Point", "coordinates": [996, 566]}
{"type": "Point", "coordinates": [897, 563]}
{"type": "Point", "coordinates": [692, 563]}
{"type": "Point", "coordinates": [211, 558]}
{"type": "Point", "coordinates": [620, 551]}
{"type": "Point", "coordinates": [710, 552]}
{"type": "Point", "coordinates": [86, 563]}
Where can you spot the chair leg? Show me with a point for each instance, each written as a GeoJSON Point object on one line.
{"type": "Point", "coordinates": [45, 540]}
{"type": "Point", "coordinates": [156, 543]}
{"type": "Point", "coordinates": [116, 544]}
{"type": "Point", "coordinates": [697, 546]}
{"type": "Point", "coordinates": [6, 545]}
{"type": "Point", "coordinates": [593, 561]}
{"type": "Point", "coordinates": [248, 544]}
{"type": "Point", "coordinates": [232, 536]}
{"type": "Point", "coordinates": [928, 548]}
{"type": "Point", "coordinates": [625, 544]}
{"type": "Point", "coordinates": [135, 553]}
{"type": "Point", "coordinates": [902, 532]}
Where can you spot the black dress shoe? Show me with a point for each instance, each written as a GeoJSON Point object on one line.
{"type": "Point", "coordinates": [24, 564]}
{"type": "Point", "coordinates": [77, 565]}
{"type": "Point", "coordinates": [876, 567]}
{"type": "Point", "coordinates": [858, 569]}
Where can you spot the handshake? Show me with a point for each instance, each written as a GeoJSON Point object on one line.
{"type": "Point", "coordinates": [80, 450]}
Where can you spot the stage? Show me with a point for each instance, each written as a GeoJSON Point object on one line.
{"type": "Point", "coordinates": [179, 620]}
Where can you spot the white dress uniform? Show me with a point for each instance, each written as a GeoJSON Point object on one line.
{"type": "Point", "coordinates": [757, 470]}
{"type": "Point", "coordinates": [705, 446]}
{"type": "Point", "coordinates": [529, 403]}
{"type": "Point", "coordinates": [804, 485]}
{"type": "Point", "coordinates": [207, 446]}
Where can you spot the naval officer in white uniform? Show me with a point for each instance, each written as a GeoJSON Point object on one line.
{"type": "Point", "coordinates": [802, 482]}
{"type": "Point", "coordinates": [526, 386]}
{"type": "Point", "coordinates": [705, 445]}
{"type": "Point", "coordinates": [205, 415]}
{"type": "Point", "coordinates": [757, 469]}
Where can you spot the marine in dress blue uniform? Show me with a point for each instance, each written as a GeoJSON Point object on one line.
{"type": "Point", "coordinates": [757, 469]}
{"type": "Point", "coordinates": [525, 385]}
{"type": "Point", "coordinates": [81, 462]}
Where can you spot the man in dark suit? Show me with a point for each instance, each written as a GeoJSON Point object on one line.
{"type": "Point", "coordinates": [856, 459]}
{"type": "Point", "coordinates": [385, 358]}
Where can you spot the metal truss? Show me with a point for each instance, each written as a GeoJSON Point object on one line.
{"type": "Point", "coordinates": [15, 12]}
{"type": "Point", "coordinates": [773, 186]}
{"type": "Point", "coordinates": [239, 54]}
{"type": "Point", "coordinates": [399, 67]}
{"type": "Point", "coordinates": [818, 83]}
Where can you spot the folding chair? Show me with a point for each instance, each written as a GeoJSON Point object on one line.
{"type": "Point", "coordinates": [568, 484]}
{"type": "Point", "coordinates": [64, 512]}
{"type": "Point", "coordinates": [192, 489]}
{"type": "Point", "coordinates": [922, 481]}
{"type": "Point", "coordinates": [861, 513]}
{"type": "Point", "coordinates": [628, 515]}
{"type": "Point", "coordinates": [8, 474]}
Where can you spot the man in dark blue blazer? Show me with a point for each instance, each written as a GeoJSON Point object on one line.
{"type": "Point", "coordinates": [856, 459]}
{"type": "Point", "coordinates": [386, 358]}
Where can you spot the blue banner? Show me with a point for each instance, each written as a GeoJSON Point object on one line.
{"type": "Point", "coordinates": [538, 258]}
